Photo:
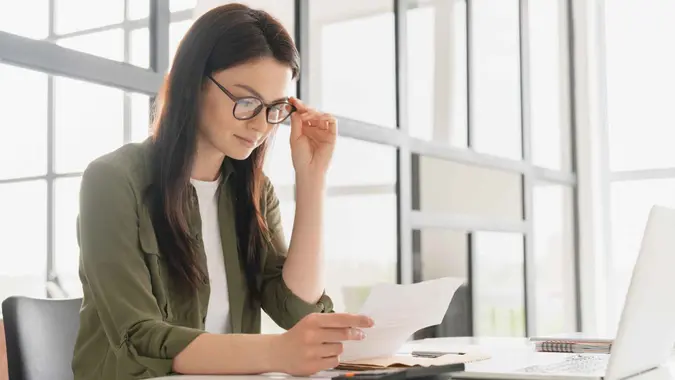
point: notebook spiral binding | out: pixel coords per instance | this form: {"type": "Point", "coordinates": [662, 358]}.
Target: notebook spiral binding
{"type": "Point", "coordinates": [572, 347]}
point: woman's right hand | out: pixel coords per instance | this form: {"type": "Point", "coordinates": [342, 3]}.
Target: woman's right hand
{"type": "Point", "coordinates": [315, 343]}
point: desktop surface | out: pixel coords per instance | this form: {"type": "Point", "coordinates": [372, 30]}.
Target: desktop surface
{"type": "Point", "coordinates": [506, 354]}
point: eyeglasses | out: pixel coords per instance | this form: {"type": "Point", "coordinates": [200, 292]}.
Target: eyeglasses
{"type": "Point", "coordinates": [248, 107]}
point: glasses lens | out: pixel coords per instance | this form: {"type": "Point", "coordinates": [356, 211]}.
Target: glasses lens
{"type": "Point", "coordinates": [247, 108]}
{"type": "Point", "coordinates": [279, 112]}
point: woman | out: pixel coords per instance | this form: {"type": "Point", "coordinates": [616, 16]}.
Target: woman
{"type": "Point", "coordinates": [180, 236]}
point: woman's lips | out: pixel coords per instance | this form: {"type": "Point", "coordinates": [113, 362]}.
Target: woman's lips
{"type": "Point", "coordinates": [249, 143]}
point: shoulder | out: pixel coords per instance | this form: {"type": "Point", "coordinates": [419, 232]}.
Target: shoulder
{"type": "Point", "coordinates": [126, 168]}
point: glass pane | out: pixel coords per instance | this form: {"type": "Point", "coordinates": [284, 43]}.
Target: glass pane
{"type": "Point", "coordinates": [138, 9]}
{"type": "Point", "coordinates": [66, 249]}
{"type": "Point", "coordinates": [23, 231]}
{"type": "Point", "coordinates": [640, 82]}
{"type": "Point", "coordinates": [76, 15]}
{"type": "Point", "coordinates": [349, 166]}
{"type": "Point", "coordinates": [23, 116]}
{"type": "Point", "coordinates": [352, 60]}
{"type": "Point", "coordinates": [499, 303]}
{"type": "Point", "coordinates": [553, 228]}
{"type": "Point", "coordinates": [444, 253]}
{"type": "Point", "coordinates": [495, 78]}
{"type": "Point", "coordinates": [176, 32]}
{"type": "Point", "coordinates": [25, 18]}
{"type": "Point", "coordinates": [181, 5]}
{"type": "Point", "coordinates": [88, 122]}
{"type": "Point", "coordinates": [550, 124]}
{"type": "Point", "coordinates": [631, 202]}
{"type": "Point", "coordinates": [278, 163]}
{"type": "Point", "coordinates": [360, 240]}
{"type": "Point", "coordinates": [140, 117]}
{"type": "Point", "coordinates": [108, 44]}
{"type": "Point", "coordinates": [437, 71]}
{"type": "Point", "coordinates": [451, 187]}
{"type": "Point", "coordinates": [139, 48]}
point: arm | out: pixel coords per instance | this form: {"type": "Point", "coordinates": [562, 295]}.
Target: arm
{"type": "Point", "coordinates": [286, 305]}
{"type": "Point", "coordinates": [303, 271]}
{"type": "Point", "coordinates": [120, 287]}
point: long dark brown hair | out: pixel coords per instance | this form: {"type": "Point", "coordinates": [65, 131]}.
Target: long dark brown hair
{"type": "Point", "coordinates": [223, 37]}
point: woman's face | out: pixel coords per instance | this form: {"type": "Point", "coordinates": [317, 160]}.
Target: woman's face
{"type": "Point", "coordinates": [266, 79]}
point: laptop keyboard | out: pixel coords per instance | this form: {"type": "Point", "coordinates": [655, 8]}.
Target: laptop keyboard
{"type": "Point", "coordinates": [581, 364]}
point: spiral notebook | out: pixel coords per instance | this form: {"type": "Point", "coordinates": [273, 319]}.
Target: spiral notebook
{"type": "Point", "coordinates": [573, 343]}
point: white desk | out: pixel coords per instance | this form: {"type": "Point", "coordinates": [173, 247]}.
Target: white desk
{"type": "Point", "coordinates": [506, 353]}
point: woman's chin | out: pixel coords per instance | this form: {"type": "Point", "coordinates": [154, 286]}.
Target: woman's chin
{"type": "Point", "coordinates": [239, 154]}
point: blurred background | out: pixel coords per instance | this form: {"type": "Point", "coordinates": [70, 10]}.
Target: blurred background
{"type": "Point", "coordinates": [515, 144]}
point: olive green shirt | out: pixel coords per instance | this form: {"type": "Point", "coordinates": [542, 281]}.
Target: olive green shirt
{"type": "Point", "coordinates": [133, 322]}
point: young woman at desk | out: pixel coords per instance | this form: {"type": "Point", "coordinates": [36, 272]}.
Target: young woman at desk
{"type": "Point", "coordinates": [180, 236]}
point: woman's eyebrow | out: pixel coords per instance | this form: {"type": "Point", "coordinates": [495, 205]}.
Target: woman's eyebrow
{"type": "Point", "coordinates": [256, 93]}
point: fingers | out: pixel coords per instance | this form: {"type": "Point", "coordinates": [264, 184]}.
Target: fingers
{"type": "Point", "coordinates": [335, 335]}
{"type": "Point", "coordinates": [298, 104]}
{"type": "Point", "coordinates": [343, 320]}
{"type": "Point", "coordinates": [314, 118]}
{"type": "Point", "coordinates": [328, 350]}
{"type": "Point", "coordinates": [296, 126]}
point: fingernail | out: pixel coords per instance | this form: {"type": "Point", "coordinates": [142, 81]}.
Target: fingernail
{"type": "Point", "coordinates": [360, 335]}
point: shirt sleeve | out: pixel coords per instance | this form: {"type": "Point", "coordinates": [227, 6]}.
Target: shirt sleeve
{"type": "Point", "coordinates": [278, 300]}
{"type": "Point", "coordinates": [118, 279]}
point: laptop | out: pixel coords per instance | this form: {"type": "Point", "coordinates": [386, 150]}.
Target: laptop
{"type": "Point", "coordinates": [646, 333]}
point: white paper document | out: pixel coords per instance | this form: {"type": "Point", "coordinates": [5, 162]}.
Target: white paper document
{"type": "Point", "coordinates": [399, 311]}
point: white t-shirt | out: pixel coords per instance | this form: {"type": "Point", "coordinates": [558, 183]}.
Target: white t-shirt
{"type": "Point", "coordinates": [218, 313]}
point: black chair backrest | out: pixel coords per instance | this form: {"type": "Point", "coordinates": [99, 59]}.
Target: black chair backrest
{"type": "Point", "coordinates": [40, 335]}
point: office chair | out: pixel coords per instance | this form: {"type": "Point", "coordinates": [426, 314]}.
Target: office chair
{"type": "Point", "coordinates": [40, 335]}
{"type": "Point", "coordinates": [457, 319]}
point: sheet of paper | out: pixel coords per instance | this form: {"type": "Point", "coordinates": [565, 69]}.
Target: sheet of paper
{"type": "Point", "coordinates": [399, 311]}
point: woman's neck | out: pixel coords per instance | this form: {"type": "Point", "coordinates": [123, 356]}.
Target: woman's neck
{"type": "Point", "coordinates": [207, 162]}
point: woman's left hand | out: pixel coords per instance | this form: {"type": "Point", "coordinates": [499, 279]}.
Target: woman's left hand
{"type": "Point", "coordinates": [313, 137]}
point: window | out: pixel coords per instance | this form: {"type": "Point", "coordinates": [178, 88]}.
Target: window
{"type": "Point", "coordinates": [23, 115]}
{"type": "Point", "coordinates": [495, 77]}
{"type": "Point", "coordinates": [66, 248]}
{"type": "Point", "coordinates": [469, 190]}
{"type": "Point", "coordinates": [139, 47]}
{"type": "Point", "coordinates": [176, 32]}
{"type": "Point", "coordinates": [181, 5]}
{"type": "Point", "coordinates": [77, 15]}
{"type": "Point", "coordinates": [445, 253]}
{"type": "Point", "coordinates": [360, 240]}
{"type": "Point", "coordinates": [89, 122]}
{"type": "Point", "coordinates": [437, 71]}
{"type": "Point", "coordinates": [278, 163]}
{"type": "Point", "coordinates": [108, 44]}
{"type": "Point", "coordinates": [23, 230]}
{"type": "Point", "coordinates": [631, 202]}
{"type": "Point", "coordinates": [640, 79]}
{"type": "Point", "coordinates": [548, 92]}
{"type": "Point", "coordinates": [499, 305]}
{"type": "Point", "coordinates": [138, 9]}
{"type": "Point", "coordinates": [25, 18]}
{"type": "Point", "coordinates": [352, 60]}
{"type": "Point", "coordinates": [553, 226]}
{"type": "Point", "coordinates": [361, 163]}
{"type": "Point", "coordinates": [140, 116]}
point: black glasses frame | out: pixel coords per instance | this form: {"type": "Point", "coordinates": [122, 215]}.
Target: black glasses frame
{"type": "Point", "coordinates": [267, 106]}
